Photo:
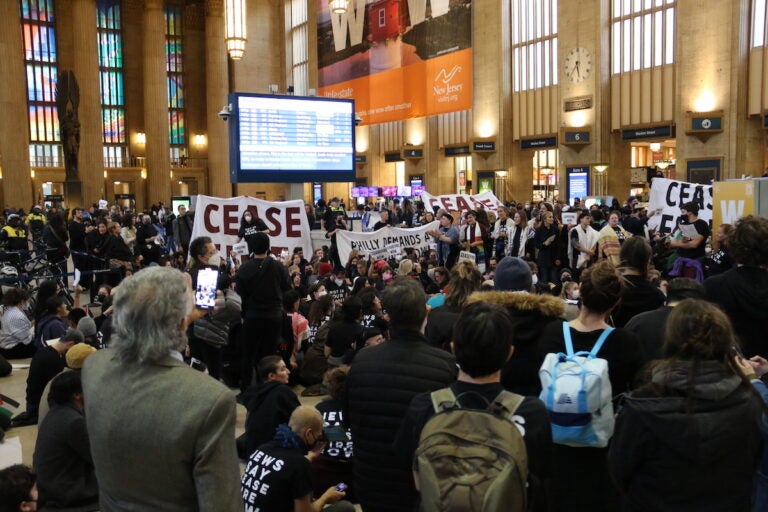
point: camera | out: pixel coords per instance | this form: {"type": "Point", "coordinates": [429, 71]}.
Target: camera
{"type": "Point", "coordinates": [225, 112]}
{"type": "Point", "coordinates": [358, 120]}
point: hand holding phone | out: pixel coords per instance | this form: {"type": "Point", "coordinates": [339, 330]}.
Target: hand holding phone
{"type": "Point", "coordinates": [205, 293]}
{"type": "Point", "coordinates": [341, 487]}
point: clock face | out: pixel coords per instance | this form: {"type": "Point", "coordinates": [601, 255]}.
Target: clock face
{"type": "Point", "coordinates": [578, 64]}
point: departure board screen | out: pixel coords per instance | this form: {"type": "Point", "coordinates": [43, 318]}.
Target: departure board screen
{"type": "Point", "coordinates": [291, 139]}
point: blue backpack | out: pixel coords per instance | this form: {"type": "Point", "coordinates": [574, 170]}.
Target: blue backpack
{"type": "Point", "coordinates": [576, 390]}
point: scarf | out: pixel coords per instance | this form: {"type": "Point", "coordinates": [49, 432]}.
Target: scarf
{"type": "Point", "coordinates": [587, 240]}
{"type": "Point", "coordinates": [609, 244]}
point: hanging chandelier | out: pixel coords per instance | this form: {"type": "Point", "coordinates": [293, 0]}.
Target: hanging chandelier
{"type": "Point", "coordinates": [235, 24]}
{"type": "Point", "coordinates": [338, 6]}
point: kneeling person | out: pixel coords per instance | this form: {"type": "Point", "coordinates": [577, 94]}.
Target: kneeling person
{"type": "Point", "coordinates": [278, 476]}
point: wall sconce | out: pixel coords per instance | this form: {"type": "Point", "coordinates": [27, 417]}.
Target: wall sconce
{"type": "Point", "coordinates": [338, 6]}
{"type": "Point", "coordinates": [501, 174]}
{"type": "Point", "coordinates": [116, 182]}
{"type": "Point", "coordinates": [662, 164]}
{"type": "Point", "coordinates": [143, 174]}
{"type": "Point", "coordinates": [199, 140]}
{"type": "Point", "coordinates": [235, 28]}
{"type": "Point", "coordinates": [655, 146]}
{"type": "Point", "coordinates": [105, 174]}
{"type": "Point", "coordinates": [600, 167]}
{"type": "Point", "coordinates": [141, 138]}
{"type": "Point", "coordinates": [32, 174]}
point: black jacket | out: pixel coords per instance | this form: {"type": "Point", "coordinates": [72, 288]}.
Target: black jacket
{"type": "Point", "coordinates": [268, 404]}
{"type": "Point", "coordinates": [530, 313]}
{"type": "Point", "coordinates": [382, 382]}
{"type": "Point", "coordinates": [742, 293]}
{"type": "Point", "coordinates": [638, 296]}
{"type": "Point", "coordinates": [66, 476]}
{"type": "Point", "coordinates": [261, 289]}
{"type": "Point", "coordinates": [676, 451]}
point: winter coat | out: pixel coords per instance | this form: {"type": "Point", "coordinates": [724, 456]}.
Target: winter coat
{"type": "Point", "coordinates": [381, 383]}
{"type": "Point", "coordinates": [530, 314]}
{"type": "Point", "coordinates": [742, 293]}
{"type": "Point", "coordinates": [681, 445]}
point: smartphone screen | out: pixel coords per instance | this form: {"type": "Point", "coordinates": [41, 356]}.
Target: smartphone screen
{"type": "Point", "coordinates": [335, 433]}
{"type": "Point", "coordinates": [341, 487]}
{"type": "Point", "coordinates": [205, 294]}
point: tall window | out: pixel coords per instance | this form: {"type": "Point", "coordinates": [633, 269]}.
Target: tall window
{"type": "Point", "coordinates": [299, 29]}
{"type": "Point", "coordinates": [175, 71]}
{"type": "Point", "coordinates": [534, 44]}
{"type": "Point", "coordinates": [39, 40]}
{"type": "Point", "coordinates": [759, 29]}
{"type": "Point", "coordinates": [643, 34]}
{"type": "Point", "coordinates": [110, 49]}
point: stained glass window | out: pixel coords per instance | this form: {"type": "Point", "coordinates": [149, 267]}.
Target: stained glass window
{"type": "Point", "coordinates": [175, 83]}
{"type": "Point", "coordinates": [110, 49]}
{"type": "Point", "coordinates": [39, 40]}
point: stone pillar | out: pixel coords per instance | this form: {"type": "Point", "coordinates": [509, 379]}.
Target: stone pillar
{"type": "Point", "coordinates": [86, 68]}
{"type": "Point", "coordinates": [156, 104]}
{"type": "Point", "coordinates": [217, 88]}
{"type": "Point", "coordinates": [14, 131]}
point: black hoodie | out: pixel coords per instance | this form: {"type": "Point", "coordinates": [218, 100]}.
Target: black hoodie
{"type": "Point", "coordinates": [742, 293]}
{"type": "Point", "coordinates": [681, 445]}
{"type": "Point", "coordinates": [269, 404]}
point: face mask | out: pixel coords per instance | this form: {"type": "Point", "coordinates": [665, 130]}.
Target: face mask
{"type": "Point", "coordinates": [534, 279]}
{"type": "Point", "coordinates": [322, 293]}
{"type": "Point", "coordinates": [339, 282]}
{"type": "Point", "coordinates": [215, 260]}
{"type": "Point", "coordinates": [708, 250]}
{"type": "Point", "coordinates": [575, 294]}
{"type": "Point", "coordinates": [387, 276]}
{"type": "Point", "coordinates": [248, 218]}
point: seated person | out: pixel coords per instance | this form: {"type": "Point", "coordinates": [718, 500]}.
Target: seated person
{"type": "Point", "coordinates": [334, 463]}
{"type": "Point", "coordinates": [46, 363]}
{"type": "Point", "coordinates": [269, 403]}
{"type": "Point", "coordinates": [482, 343]}
{"type": "Point", "coordinates": [278, 476]}
{"type": "Point", "coordinates": [17, 331]}
{"type": "Point", "coordinates": [62, 458]}
{"type": "Point", "coordinates": [53, 323]}
{"type": "Point", "coordinates": [18, 489]}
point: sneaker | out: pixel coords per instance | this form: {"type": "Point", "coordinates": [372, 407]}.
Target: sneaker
{"type": "Point", "coordinates": [24, 419]}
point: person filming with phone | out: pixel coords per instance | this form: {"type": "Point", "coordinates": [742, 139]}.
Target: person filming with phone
{"type": "Point", "coordinates": [278, 476]}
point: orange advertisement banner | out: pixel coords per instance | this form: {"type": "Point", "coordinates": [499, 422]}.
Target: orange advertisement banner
{"type": "Point", "coordinates": [398, 59]}
{"type": "Point", "coordinates": [436, 86]}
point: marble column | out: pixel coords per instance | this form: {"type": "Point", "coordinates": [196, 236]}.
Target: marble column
{"type": "Point", "coordinates": [156, 104]}
{"type": "Point", "coordinates": [14, 131]}
{"type": "Point", "coordinates": [217, 88]}
{"type": "Point", "coordinates": [86, 68]}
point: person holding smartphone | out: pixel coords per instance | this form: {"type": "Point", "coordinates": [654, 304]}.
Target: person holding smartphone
{"type": "Point", "coordinates": [204, 269]}
{"type": "Point", "coordinates": [278, 475]}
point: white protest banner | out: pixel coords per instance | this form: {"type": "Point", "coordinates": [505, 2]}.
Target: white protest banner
{"type": "Point", "coordinates": [461, 202]}
{"type": "Point", "coordinates": [219, 219]}
{"type": "Point", "coordinates": [385, 241]}
{"type": "Point", "coordinates": [667, 196]}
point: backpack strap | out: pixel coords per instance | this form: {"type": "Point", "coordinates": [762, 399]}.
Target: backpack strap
{"type": "Point", "coordinates": [506, 404]}
{"type": "Point", "coordinates": [443, 399]}
{"type": "Point", "coordinates": [600, 341]}
{"type": "Point", "coordinates": [567, 339]}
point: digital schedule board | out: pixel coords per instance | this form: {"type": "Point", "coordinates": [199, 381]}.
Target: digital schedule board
{"type": "Point", "coordinates": [291, 139]}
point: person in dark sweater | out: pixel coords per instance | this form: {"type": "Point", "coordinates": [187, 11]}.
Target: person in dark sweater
{"type": "Point", "coordinates": [344, 333]}
{"type": "Point", "coordinates": [580, 474]}
{"type": "Point", "coordinates": [382, 382]}
{"type": "Point", "coordinates": [260, 282]}
{"type": "Point", "coordinates": [46, 364]}
{"type": "Point", "coordinates": [268, 403]}
{"type": "Point", "coordinates": [66, 477]}
{"type": "Point", "coordinates": [742, 292]}
{"type": "Point", "coordinates": [638, 294]}
{"type": "Point", "coordinates": [650, 326]}
{"type": "Point", "coordinates": [482, 342]}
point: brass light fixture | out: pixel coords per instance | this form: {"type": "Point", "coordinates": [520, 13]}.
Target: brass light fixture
{"type": "Point", "coordinates": [235, 28]}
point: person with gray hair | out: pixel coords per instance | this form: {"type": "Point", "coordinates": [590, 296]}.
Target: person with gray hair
{"type": "Point", "coordinates": [161, 433]}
